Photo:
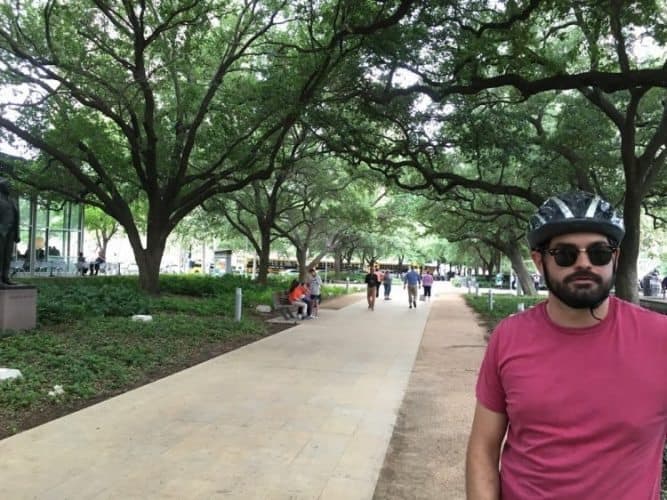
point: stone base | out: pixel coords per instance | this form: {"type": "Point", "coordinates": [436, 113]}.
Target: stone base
{"type": "Point", "coordinates": [18, 308]}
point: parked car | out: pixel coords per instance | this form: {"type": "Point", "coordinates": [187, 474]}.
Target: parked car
{"type": "Point", "coordinates": [170, 269]}
{"type": "Point", "coordinates": [194, 267]}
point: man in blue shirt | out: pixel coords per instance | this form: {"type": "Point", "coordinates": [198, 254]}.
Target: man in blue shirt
{"type": "Point", "coordinates": [413, 281]}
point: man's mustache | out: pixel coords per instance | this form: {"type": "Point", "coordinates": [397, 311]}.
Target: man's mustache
{"type": "Point", "coordinates": [583, 275]}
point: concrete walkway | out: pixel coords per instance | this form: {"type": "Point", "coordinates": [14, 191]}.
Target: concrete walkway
{"type": "Point", "coordinates": [307, 413]}
{"type": "Point", "coordinates": [426, 455]}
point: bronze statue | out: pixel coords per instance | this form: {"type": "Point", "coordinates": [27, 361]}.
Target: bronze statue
{"type": "Point", "coordinates": [9, 231]}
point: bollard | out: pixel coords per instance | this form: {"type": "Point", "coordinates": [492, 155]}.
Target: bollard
{"type": "Point", "coordinates": [476, 289]}
{"type": "Point", "coordinates": [347, 285]}
{"type": "Point", "coordinates": [490, 299]}
{"type": "Point", "coordinates": [238, 304]}
{"type": "Point", "coordinates": [520, 307]}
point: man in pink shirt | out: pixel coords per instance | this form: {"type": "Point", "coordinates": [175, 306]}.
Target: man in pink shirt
{"type": "Point", "coordinates": [576, 387]}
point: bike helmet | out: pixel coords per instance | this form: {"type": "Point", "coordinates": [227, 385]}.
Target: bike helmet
{"type": "Point", "coordinates": [574, 212]}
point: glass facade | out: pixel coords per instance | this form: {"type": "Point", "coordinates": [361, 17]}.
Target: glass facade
{"type": "Point", "coordinates": [51, 237]}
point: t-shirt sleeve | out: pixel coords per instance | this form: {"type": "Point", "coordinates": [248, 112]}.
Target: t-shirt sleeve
{"type": "Point", "coordinates": [490, 392]}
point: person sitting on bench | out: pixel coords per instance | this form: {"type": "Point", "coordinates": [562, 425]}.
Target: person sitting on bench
{"type": "Point", "coordinates": [296, 295]}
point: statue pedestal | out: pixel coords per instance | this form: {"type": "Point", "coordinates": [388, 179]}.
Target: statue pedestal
{"type": "Point", "coordinates": [18, 308]}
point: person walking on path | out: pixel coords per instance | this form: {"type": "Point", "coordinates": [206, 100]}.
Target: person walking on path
{"type": "Point", "coordinates": [576, 386]}
{"type": "Point", "coordinates": [372, 284]}
{"type": "Point", "coordinates": [386, 283]}
{"type": "Point", "coordinates": [315, 292]}
{"type": "Point", "coordinates": [380, 276]}
{"type": "Point", "coordinates": [412, 280]}
{"type": "Point", "coordinates": [427, 283]}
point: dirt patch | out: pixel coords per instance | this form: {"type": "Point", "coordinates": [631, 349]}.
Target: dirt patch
{"type": "Point", "coordinates": [426, 454]}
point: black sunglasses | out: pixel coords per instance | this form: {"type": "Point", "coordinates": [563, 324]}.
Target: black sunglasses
{"type": "Point", "coordinates": [565, 255]}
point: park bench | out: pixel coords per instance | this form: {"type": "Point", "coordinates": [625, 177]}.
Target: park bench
{"type": "Point", "coordinates": [282, 305]}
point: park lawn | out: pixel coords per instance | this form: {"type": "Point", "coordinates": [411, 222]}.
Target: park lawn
{"type": "Point", "coordinates": [87, 343]}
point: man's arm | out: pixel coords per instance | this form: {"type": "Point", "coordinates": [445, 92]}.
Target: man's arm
{"type": "Point", "coordinates": [486, 437]}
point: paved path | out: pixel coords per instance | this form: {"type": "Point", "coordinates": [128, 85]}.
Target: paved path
{"type": "Point", "coordinates": [426, 455]}
{"type": "Point", "coordinates": [304, 414]}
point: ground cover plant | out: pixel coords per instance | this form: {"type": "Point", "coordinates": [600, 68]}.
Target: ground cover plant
{"type": "Point", "coordinates": [87, 343]}
{"type": "Point", "coordinates": [503, 305]}
{"type": "Point", "coordinates": [506, 304]}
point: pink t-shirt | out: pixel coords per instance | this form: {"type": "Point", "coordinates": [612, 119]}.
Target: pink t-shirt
{"type": "Point", "coordinates": [587, 408]}
{"type": "Point", "coordinates": [427, 280]}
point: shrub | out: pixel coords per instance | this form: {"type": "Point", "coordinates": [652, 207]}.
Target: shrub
{"type": "Point", "coordinates": [503, 305]}
{"type": "Point", "coordinates": [63, 300]}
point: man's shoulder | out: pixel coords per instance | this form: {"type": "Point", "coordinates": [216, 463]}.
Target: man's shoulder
{"type": "Point", "coordinates": [627, 309]}
{"type": "Point", "coordinates": [522, 322]}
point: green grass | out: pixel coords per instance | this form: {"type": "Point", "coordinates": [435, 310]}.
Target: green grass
{"type": "Point", "coordinates": [503, 306]}
{"type": "Point", "coordinates": [506, 304]}
{"type": "Point", "coordinates": [86, 342]}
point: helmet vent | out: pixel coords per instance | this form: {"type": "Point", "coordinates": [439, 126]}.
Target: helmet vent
{"type": "Point", "coordinates": [592, 208]}
{"type": "Point", "coordinates": [565, 210]}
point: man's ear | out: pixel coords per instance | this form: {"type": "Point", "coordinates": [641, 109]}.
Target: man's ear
{"type": "Point", "coordinates": [616, 256]}
{"type": "Point", "coordinates": [538, 260]}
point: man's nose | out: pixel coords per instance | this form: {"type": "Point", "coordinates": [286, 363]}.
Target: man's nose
{"type": "Point", "coordinates": [583, 254]}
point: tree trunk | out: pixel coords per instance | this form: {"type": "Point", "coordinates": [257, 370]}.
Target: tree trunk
{"type": "Point", "coordinates": [263, 265]}
{"type": "Point", "coordinates": [264, 253]}
{"type": "Point", "coordinates": [148, 261]}
{"type": "Point", "coordinates": [149, 258]}
{"type": "Point", "coordinates": [348, 257]}
{"type": "Point", "coordinates": [523, 276]}
{"type": "Point", "coordinates": [301, 254]}
{"type": "Point", "coordinates": [626, 275]}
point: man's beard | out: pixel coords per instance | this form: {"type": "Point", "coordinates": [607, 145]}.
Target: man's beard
{"type": "Point", "coordinates": [580, 297]}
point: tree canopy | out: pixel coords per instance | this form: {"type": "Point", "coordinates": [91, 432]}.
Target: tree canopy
{"type": "Point", "coordinates": [448, 70]}
{"type": "Point", "coordinates": [147, 110]}
{"type": "Point", "coordinates": [168, 103]}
